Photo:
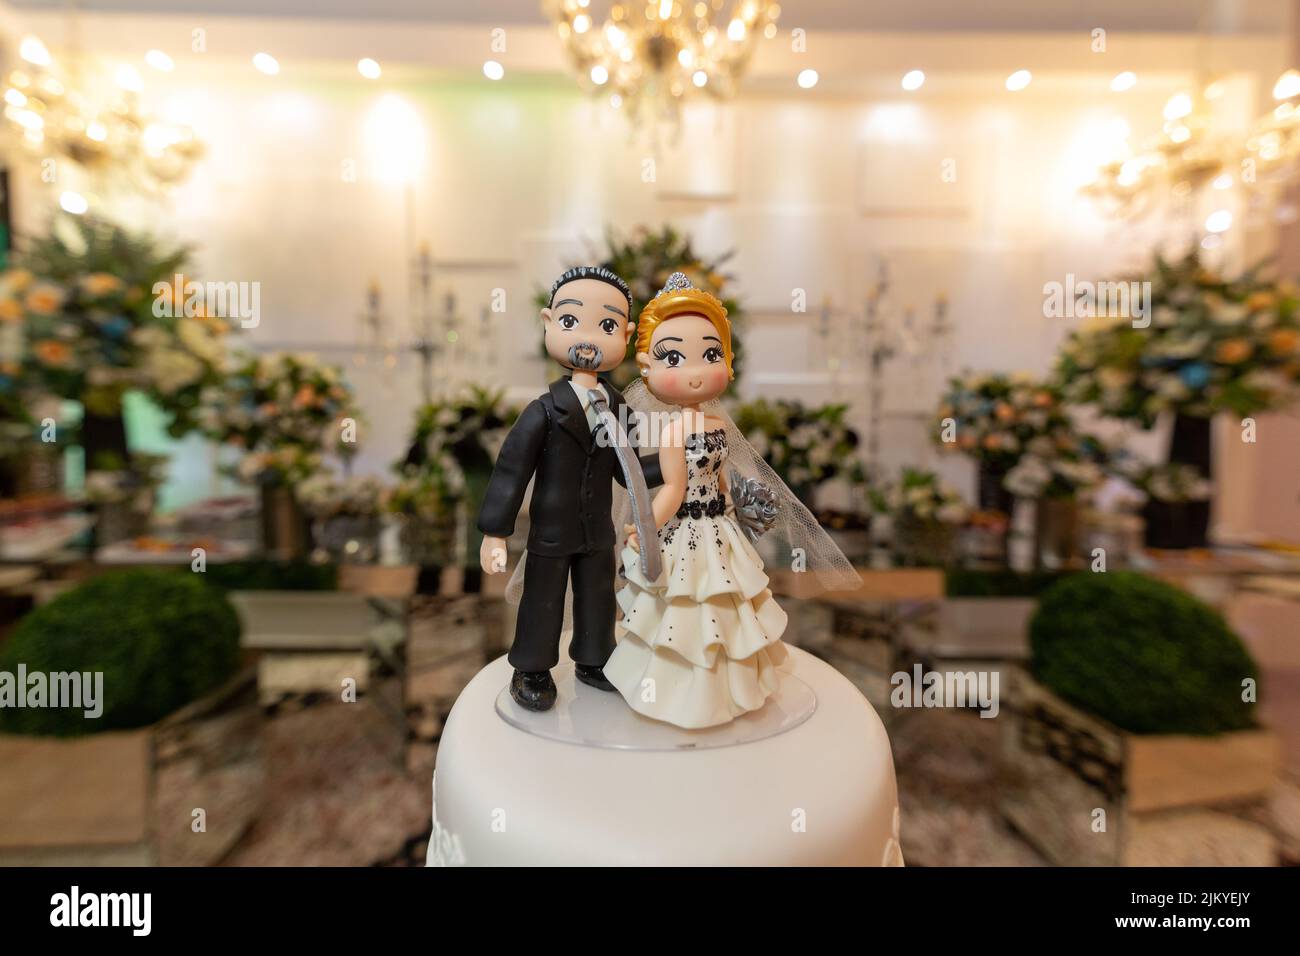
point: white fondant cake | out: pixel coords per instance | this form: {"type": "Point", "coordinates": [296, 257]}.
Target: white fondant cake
{"type": "Point", "coordinates": [800, 790]}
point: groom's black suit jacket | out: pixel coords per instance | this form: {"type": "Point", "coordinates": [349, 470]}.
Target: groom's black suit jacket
{"type": "Point", "coordinates": [572, 494]}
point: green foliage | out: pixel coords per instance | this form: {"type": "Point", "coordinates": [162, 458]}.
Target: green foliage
{"type": "Point", "coordinates": [645, 259]}
{"type": "Point", "coordinates": [273, 576]}
{"type": "Point", "coordinates": [1004, 583]}
{"type": "Point", "coordinates": [161, 638]}
{"type": "Point", "coordinates": [1141, 654]}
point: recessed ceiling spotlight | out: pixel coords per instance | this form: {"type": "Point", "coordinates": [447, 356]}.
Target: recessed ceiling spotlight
{"type": "Point", "coordinates": [368, 68]}
{"type": "Point", "coordinates": [807, 79]}
{"type": "Point", "coordinates": [266, 63]}
{"type": "Point", "coordinates": [160, 61]}
{"type": "Point", "coordinates": [1123, 81]}
{"type": "Point", "coordinates": [913, 80]}
{"type": "Point", "coordinates": [1018, 80]}
{"type": "Point", "coordinates": [493, 70]}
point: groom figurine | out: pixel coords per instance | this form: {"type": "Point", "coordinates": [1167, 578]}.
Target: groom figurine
{"type": "Point", "coordinates": [560, 444]}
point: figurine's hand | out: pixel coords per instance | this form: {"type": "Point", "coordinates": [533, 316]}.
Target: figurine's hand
{"type": "Point", "coordinates": [633, 539]}
{"type": "Point", "coordinates": [492, 554]}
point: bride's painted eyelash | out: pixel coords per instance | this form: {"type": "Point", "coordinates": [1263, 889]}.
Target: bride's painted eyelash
{"type": "Point", "coordinates": [662, 351]}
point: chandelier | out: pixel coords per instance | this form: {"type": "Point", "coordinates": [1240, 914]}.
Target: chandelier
{"type": "Point", "coordinates": [53, 116]}
{"type": "Point", "coordinates": [1186, 156]}
{"type": "Point", "coordinates": [647, 56]}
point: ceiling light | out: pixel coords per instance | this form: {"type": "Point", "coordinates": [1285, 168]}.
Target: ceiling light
{"type": "Point", "coordinates": [913, 80]}
{"type": "Point", "coordinates": [266, 63]}
{"type": "Point", "coordinates": [1123, 81]}
{"type": "Point", "coordinates": [808, 79]}
{"type": "Point", "coordinates": [1019, 80]}
{"type": "Point", "coordinates": [493, 70]}
{"type": "Point", "coordinates": [160, 61]}
{"type": "Point", "coordinates": [368, 68]}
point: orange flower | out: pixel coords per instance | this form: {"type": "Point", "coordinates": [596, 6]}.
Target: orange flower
{"type": "Point", "coordinates": [1232, 351]}
{"type": "Point", "coordinates": [1260, 300]}
{"type": "Point", "coordinates": [44, 298]}
{"type": "Point", "coordinates": [1043, 399]}
{"type": "Point", "coordinates": [305, 397]}
{"type": "Point", "coordinates": [99, 284]}
{"type": "Point", "coordinates": [52, 352]}
{"type": "Point", "coordinates": [1004, 412]}
{"type": "Point", "coordinates": [10, 310]}
{"type": "Point", "coordinates": [1284, 341]}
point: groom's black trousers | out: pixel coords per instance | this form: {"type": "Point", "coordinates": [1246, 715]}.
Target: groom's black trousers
{"type": "Point", "coordinates": [541, 610]}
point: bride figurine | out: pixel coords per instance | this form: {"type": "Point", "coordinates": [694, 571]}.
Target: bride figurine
{"type": "Point", "coordinates": [700, 645]}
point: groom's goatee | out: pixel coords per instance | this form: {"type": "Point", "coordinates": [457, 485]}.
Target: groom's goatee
{"type": "Point", "coordinates": [585, 356]}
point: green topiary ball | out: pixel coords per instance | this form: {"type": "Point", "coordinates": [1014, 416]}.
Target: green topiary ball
{"type": "Point", "coordinates": [1142, 654]}
{"type": "Point", "coordinates": [162, 638]}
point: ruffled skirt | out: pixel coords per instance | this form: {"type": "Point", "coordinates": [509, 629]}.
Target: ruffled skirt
{"type": "Point", "coordinates": [701, 645]}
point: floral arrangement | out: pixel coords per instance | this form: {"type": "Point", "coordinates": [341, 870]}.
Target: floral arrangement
{"type": "Point", "coordinates": [285, 410]}
{"type": "Point", "coordinates": [1214, 344]}
{"type": "Point", "coordinates": [1060, 466]}
{"type": "Point", "coordinates": [1172, 482]}
{"type": "Point", "coordinates": [645, 259]}
{"type": "Point", "coordinates": [462, 433]}
{"type": "Point", "coordinates": [323, 495]}
{"type": "Point", "coordinates": [135, 488]}
{"type": "Point", "coordinates": [84, 299]}
{"type": "Point", "coordinates": [805, 446]}
{"type": "Point", "coordinates": [428, 494]}
{"type": "Point", "coordinates": [993, 417]}
{"type": "Point", "coordinates": [1018, 426]}
{"type": "Point", "coordinates": [920, 496]}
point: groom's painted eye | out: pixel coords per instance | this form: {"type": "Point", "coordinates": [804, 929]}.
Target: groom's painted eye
{"type": "Point", "coordinates": [569, 322]}
{"type": "Point", "coordinates": [609, 326]}
{"type": "Point", "coordinates": [713, 355]}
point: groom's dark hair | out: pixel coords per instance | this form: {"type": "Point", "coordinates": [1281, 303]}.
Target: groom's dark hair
{"type": "Point", "coordinates": [599, 273]}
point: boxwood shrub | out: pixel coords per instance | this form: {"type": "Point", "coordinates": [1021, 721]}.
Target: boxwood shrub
{"type": "Point", "coordinates": [1141, 654]}
{"type": "Point", "coordinates": [161, 637]}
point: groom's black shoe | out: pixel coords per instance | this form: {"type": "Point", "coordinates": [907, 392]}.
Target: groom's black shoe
{"type": "Point", "coordinates": [593, 676]}
{"type": "Point", "coordinates": [533, 690]}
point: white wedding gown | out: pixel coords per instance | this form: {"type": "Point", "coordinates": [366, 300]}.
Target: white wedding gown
{"type": "Point", "coordinates": [701, 645]}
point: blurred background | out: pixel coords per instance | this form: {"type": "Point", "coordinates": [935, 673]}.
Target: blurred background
{"type": "Point", "coordinates": [1013, 292]}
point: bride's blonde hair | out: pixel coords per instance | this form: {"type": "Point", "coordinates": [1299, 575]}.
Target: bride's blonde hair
{"type": "Point", "coordinates": [679, 298]}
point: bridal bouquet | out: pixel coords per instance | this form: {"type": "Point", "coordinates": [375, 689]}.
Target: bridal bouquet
{"type": "Point", "coordinates": [1213, 344]}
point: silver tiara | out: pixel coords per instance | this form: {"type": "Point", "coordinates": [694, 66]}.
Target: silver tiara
{"type": "Point", "coordinates": [676, 283]}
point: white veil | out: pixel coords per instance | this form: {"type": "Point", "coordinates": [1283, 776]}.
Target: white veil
{"type": "Point", "coordinates": [795, 536]}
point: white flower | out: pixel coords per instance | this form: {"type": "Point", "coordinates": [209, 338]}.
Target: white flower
{"type": "Point", "coordinates": [195, 336]}
{"type": "Point", "coordinates": [953, 512]}
{"type": "Point", "coordinates": [1228, 313]}
{"type": "Point", "coordinates": [171, 370]}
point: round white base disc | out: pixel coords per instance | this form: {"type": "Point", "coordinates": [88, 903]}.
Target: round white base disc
{"type": "Point", "coordinates": [587, 716]}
